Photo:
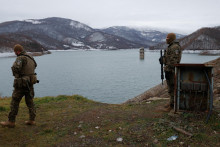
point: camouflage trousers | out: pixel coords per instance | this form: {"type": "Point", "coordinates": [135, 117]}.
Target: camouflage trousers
{"type": "Point", "coordinates": [17, 95]}
{"type": "Point", "coordinates": [169, 75]}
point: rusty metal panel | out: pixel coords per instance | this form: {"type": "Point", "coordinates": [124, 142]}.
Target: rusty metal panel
{"type": "Point", "coordinates": [191, 87]}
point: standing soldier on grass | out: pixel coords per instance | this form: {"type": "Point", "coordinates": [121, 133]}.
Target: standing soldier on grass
{"type": "Point", "coordinates": [172, 55]}
{"type": "Point", "coordinates": [23, 70]}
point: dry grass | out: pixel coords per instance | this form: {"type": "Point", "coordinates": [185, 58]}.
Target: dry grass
{"type": "Point", "coordinates": [77, 121]}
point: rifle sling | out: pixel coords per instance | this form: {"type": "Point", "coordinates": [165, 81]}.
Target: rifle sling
{"type": "Point", "coordinates": [31, 59]}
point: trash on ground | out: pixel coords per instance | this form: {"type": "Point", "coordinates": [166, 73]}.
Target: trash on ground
{"type": "Point", "coordinates": [174, 137]}
{"type": "Point", "coordinates": [119, 139]}
{"type": "Point", "coordinates": [82, 136]}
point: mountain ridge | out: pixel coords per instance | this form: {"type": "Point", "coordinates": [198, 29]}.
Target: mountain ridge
{"type": "Point", "coordinates": [203, 39]}
{"type": "Point", "coordinates": [147, 37]}
{"type": "Point", "coordinates": [61, 33]}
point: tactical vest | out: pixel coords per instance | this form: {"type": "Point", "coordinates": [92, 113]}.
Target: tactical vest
{"type": "Point", "coordinates": [29, 68]}
{"type": "Point", "coordinates": [26, 76]}
{"type": "Point", "coordinates": [173, 51]}
{"type": "Point", "coordinates": [172, 56]}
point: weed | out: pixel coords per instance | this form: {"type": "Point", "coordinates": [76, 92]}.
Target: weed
{"type": "Point", "coordinates": [62, 133]}
{"type": "Point", "coordinates": [200, 136]}
{"type": "Point", "coordinates": [47, 131]}
{"type": "Point", "coordinates": [2, 108]}
{"type": "Point", "coordinates": [214, 122]}
{"type": "Point", "coordinates": [111, 136]}
{"type": "Point", "coordinates": [188, 115]}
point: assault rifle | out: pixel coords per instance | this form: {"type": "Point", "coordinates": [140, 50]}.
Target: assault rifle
{"type": "Point", "coordinates": [161, 63]}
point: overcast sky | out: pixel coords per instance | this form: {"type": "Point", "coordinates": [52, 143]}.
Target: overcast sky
{"type": "Point", "coordinates": [181, 16]}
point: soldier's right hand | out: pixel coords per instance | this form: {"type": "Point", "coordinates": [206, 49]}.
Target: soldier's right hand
{"type": "Point", "coordinates": [161, 60]}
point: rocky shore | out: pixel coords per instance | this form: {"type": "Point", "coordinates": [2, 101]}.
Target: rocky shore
{"type": "Point", "coordinates": [161, 90]}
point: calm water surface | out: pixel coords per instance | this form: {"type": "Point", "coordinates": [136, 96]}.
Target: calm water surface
{"type": "Point", "coordinates": [104, 76]}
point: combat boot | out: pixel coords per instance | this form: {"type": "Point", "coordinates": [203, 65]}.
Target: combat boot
{"type": "Point", "coordinates": [7, 124]}
{"type": "Point", "coordinates": [30, 122]}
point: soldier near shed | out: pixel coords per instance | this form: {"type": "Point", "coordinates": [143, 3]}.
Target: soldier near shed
{"type": "Point", "coordinates": [172, 55]}
{"type": "Point", "coordinates": [24, 74]}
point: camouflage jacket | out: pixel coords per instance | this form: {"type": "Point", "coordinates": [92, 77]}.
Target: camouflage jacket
{"type": "Point", "coordinates": [24, 65]}
{"type": "Point", "coordinates": [172, 55]}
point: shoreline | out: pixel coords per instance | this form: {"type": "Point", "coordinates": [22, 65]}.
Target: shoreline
{"type": "Point", "coordinates": [200, 52]}
{"type": "Point", "coordinates": [12, 54]}
{"type": "Point", "coordinates": [156, 91]}
{"type": "Point", "coordinates": [160, 91]}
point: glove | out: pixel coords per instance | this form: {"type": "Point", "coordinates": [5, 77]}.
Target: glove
{"type": "Point", "coordinates": [161, 60]}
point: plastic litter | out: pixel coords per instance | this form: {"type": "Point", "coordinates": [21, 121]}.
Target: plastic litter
{"type": "Point", "coordinates": [174, 137]}
{"type": "Point", "coordinates": [119, 139]}
{"type": "Point", "coordinates": [82, 136]}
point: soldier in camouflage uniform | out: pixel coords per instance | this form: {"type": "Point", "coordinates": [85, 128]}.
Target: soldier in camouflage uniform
{"type": "Point", "coordinates": [24, 72]}
{"type": "Point", "coordinates": [172, 55]}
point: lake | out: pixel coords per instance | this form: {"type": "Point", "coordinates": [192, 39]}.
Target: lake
{"type": "Point", "coordinates": [112, 76]}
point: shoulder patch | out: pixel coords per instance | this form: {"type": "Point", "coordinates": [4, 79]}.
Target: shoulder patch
{"type": "Point", "coordinates": [177, 52]}
{"type": "Point", "coordinates": [18, 62]}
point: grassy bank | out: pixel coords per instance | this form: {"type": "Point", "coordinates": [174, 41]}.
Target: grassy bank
{"type": "Point", "coordinates": [77, 121]}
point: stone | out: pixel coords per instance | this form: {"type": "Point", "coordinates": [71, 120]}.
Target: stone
{"type": "Point", "coordinates": [155, 141]}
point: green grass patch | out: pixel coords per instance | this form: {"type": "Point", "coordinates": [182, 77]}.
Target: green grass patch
{"type": "Point", "coordinates": [2, 108]}
{"type": "Point", "coordinates": [200, 136]}
{"type": "Point", "coordinates": [80, 98]}
{"type": "Point", "coordinates": [214, 122]}
{"type": "Point", "coordinates": [187, 115]}
{"type": "Point", "coordinates": [50, 99]}
{"type": "Point", "coordinates": [62, 133]}
{"type": "Point", "coordinates": [46, 131]}
{"type": "Point", "coordinates": [61, 98]}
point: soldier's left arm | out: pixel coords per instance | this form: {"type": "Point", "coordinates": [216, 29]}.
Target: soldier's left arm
{"type": "Point", "coordinates": [18, 64]}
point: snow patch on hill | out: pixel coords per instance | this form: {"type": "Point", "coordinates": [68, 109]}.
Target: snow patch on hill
{"type": "Point", "coordinates": [74, 24]}
{"type": "Point", "coordinates": [7, 54]}
{"type": "Point", "coordinates": [97, 37]}
{"type": "Point", "coordinates": [77, 44]}
{"type": "Point", "coordinates": [73, 42]}
{"type": "Point", "coordinates": [33, 21]}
